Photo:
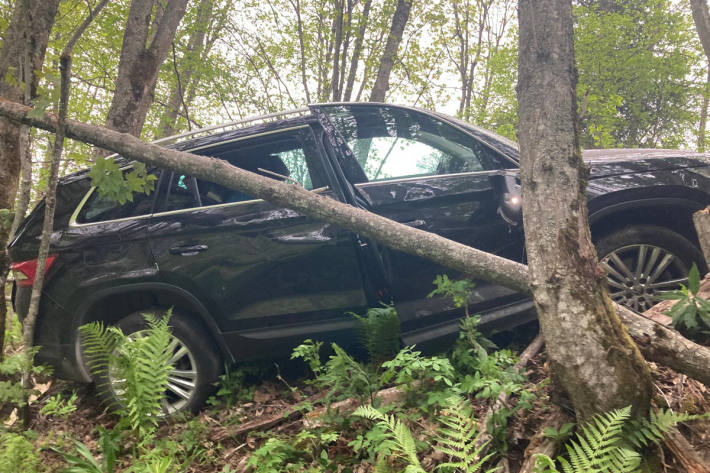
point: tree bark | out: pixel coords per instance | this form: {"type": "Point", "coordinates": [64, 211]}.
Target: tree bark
{"type": "Point", "coordinates": [357, 50]}
{"type": "Point", "coordinates": [661, 344]}
{"type": "Point", "coordinates": [701, 221]}
{"type": "Point", "coordinates": [541, 444]}
{"type": "Point", "coordinates": [187, 77]}
{"type": "Point", "coordinates": [139, 65]}
{"type": "Point", "coordinates": [23, 49]}
{"type": "Point", "coordinates": [382, 80]}
{"type": "Point", "coordinates": [591, 354]}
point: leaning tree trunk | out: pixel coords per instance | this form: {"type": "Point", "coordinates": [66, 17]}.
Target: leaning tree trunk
{"type": "Point", "coordinates": [591, 354]}
{"type": "Point", "coordinates": [668, 345]}
{"type": "Point", "coordinates": [399, 21]}
{"type": "Point", "coordinates": [25, 41]}
{"type": "Point", "coordinates": [143, 52]}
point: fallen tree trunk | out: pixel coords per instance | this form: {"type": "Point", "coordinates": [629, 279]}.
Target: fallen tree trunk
{"type": "Point", "coordinates": [665, 346]}
{"type": "Point", "coordinates": [657, 343]}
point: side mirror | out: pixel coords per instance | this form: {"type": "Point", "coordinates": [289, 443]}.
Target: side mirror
{"type": "Point", "coordinates": [510, 205]}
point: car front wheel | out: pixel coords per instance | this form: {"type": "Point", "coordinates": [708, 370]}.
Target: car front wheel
{"type": "Point", "coordinates": [643, 260]}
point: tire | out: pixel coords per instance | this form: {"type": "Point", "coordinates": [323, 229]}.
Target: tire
{"type": "Point", "coordinates": [642, 260]}
{"type": "Point", "coordinates": [197, 360]}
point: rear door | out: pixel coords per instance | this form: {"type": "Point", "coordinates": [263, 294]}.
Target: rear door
{"type": "Point", "coordinates": [428, 174]}
{"type": "Point", "coordinates": [268, 274]}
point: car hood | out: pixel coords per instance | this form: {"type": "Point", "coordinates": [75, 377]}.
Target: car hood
{"type": "Point", "coordinates": [611, 162]}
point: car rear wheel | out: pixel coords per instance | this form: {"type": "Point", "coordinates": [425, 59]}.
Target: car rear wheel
{"type": "Point", "coordinates": [197, 365]}
{"type": "Point", "coordinates": [643, 260]}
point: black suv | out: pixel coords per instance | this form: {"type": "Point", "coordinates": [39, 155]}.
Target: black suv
{"type": "Point", "coordinates": [249, 279]}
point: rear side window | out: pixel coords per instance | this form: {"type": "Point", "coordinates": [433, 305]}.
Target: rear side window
{"type": "Point", "coordinates": [290, 157]}
{"type": "Point", "coordinates": [100, 209]}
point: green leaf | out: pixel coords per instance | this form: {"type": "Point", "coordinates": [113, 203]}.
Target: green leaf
{"type": "Point", "coordinates": [694, 279]}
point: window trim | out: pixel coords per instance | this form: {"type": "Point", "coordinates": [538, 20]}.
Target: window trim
{"type": "Point", "coordinates": [73, 219]}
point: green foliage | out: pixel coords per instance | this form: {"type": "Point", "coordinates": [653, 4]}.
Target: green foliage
{"type": "Point", "coordinates": [458, 436]}
{"type": "Point", "coordinates": [57, 406]}
{"type": "Point", "coordinates": [379, 332]}
{"type": "Point", "coordinates": [561, 434]}
{"type": "Point", "coordinates": [608, 443]}
{"type": "Point", "coordinates": [640, 73]}
{"type": "Point", "coordinates": [115, 184]}
{"type": "Point", "coordinates": [409, 366]}
{"type": "Point", "coordinates": [345, 377]}
{"type": "Point", "coordinates": [402, 442]}
{"type": "Point", "coordinates": [233, 386]}
{"type": "Point", "coordinates": [691, 311]}
{"type": "Point", "coordinates": [138, 365]}
{"type": "Point", "coordinates": [17, 454]}
{"type": "Point", "coordinates": [278, 455]}
{"type": "Point", "coordinates": [471, 345]}
{"type": "Point", "coordinates": [309, 351]}
{"type": "Point", "coordinates": [11, 367]}
{"type": "Point", "coordinates": [459, 291]}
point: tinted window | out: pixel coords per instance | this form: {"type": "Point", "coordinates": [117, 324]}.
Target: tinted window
{"type": "Point", "coordinates": [390, 143]}
{"type": "Point", "coordinates": [288, 157]}
{"type": "Point", "coordinates": [98, 208]}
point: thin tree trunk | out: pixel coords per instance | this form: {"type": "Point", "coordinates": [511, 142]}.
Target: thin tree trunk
{"type": "Point", "coordinates": [304, 80]}
{"type": "Point", "coordinates": [338, 30]}
{"type": "Point", "coordinates": [702, 124]}
{"type": "Point", "coordinates": [382, 80]}
{"type": "Point", "coordinates": [357, 50]}
{"type": "Point", "coordinates": [50, 204]}
{"type": "Point", "coordinates": [184, 75]}
{"type": "Point", "coordinates": [23, 49]}
{"type": "Point", "coordinates": [591, 354]}
{"type": "Point", "coordinates": [139, 64]}
{"type": "Point", "coordinates": [661, 344]}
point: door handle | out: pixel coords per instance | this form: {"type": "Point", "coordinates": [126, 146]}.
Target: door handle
{"type": "Point", "coordinates": [187, 250]}
{"type": "Point", "coordinates": [418, 223]}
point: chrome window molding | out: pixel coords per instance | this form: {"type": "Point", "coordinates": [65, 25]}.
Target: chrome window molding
{"type": "Point", "coordinates": [431, 176]}
{"type": "Point", "coordinates": [73, 223]}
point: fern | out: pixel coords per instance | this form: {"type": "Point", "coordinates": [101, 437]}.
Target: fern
{"type": "Point", "coordinates": [137, 366]}
{"type": "Point", "coordinates": [608, 443]}
{"type": "Point", "coordinates": [99, 344]}
{"type": "Point", "coordinates": [144, 364]}
{"type": "Point", "coordinates": [379, 332]}
{"type": "Point", "coordinates": [458, 436]}
{"type": "Point", "coordinates": [403, 442]}
{"type": "Point", "coordinates": [640, 432]}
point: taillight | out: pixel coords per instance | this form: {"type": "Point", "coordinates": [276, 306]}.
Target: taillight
{"type": "Point", "coordinates": [25, 271]}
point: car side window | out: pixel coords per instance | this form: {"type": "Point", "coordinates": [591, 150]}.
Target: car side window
{"type": "Point", "coordinates": [100, 209]}
{"type": "Point", "coordinates": [392, 143]}
{"type": "Point", "coordinates": [290, 157]}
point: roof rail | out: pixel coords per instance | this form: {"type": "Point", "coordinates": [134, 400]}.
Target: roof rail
{"type": "Point", "coordinates": [298, 112]}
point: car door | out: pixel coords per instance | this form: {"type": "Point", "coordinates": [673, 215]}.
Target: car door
{"type": "Point", "coordinates": [428, 174]}
{"type": "Point", "coordinates": [267, 273]}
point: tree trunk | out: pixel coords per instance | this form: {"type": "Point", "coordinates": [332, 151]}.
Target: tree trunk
{"type": "Point", "coordinates": [662, 344]}
{"type": "Point", "coordinates": [701, 221]}
{"type": "Point", "coordinates": [50, 203]}
{"type": "Point", "coordinates": [23, 49]}
{"type": "Point", "coordinates": [399, 21]}
{"type": "Point", "coordinates": [357, 50]}
{"type": "Point", "coordinates": [139, 64]}
{"type": "Point", "coordinates": [187, 77]}
{"type": "Point", "coordinates": [591, 354]}
{"type": "Point", "coordinates": [701, 18]}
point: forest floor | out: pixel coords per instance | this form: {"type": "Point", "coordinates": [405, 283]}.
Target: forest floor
{"type": "Point", "coordinates": [211, 441]}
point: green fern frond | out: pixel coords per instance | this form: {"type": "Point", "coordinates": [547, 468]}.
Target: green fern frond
{"type": "Point", "coordinates": [99, 343]}
{"type": "Point", "coordinates": [642, 431]}
{"type": "Point", "coordinates": [458, 438]}
{"type": "Point", "coordinates": [400, 434]}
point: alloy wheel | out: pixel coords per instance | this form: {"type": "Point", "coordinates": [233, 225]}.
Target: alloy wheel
{"type": "Point", "coordinates": [636, 273]}
{"type": "Point", "coordinates": [182, 379]}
